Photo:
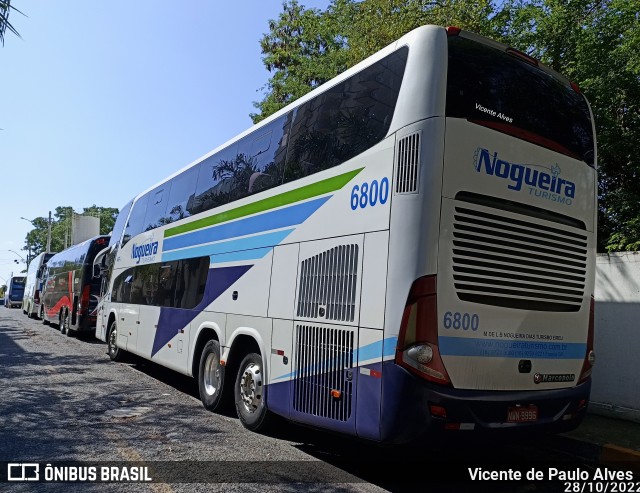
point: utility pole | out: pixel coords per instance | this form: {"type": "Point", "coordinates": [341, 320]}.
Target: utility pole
{"type": "Point", "coordinates": [49, 235]}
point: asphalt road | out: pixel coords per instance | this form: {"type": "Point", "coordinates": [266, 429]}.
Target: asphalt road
{"type": "Point", "coordinates": [62, 399]}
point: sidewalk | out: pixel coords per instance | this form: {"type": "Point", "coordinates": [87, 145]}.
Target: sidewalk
{"type": "Point", "coordinates": [618, 440]}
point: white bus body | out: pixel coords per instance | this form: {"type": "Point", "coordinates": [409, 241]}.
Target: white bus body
{"type": "Point", "coordinates": [31, 305]}
{"type": "Point", "coordinates": [439, 278]}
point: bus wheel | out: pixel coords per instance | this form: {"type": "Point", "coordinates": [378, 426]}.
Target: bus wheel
{"type": "Point", "coordinates": [65, 328]}
{"type": "Point", "coordinates": [114, 352]}
{"type": "Point", "coordinates": [61, 322]}
{"type": "Point", "coordinates": [211, 376]}
{"type": "Point", "coordinates": [249, 394]}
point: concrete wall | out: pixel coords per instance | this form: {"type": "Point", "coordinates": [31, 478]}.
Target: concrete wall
{"type": "Point", "coordinates": [616, 376]}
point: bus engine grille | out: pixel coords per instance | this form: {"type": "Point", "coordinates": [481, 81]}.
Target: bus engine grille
{"type": "Point", "coordinates": [323, 369]}
{"type": "Point", "coordinates": [512, 261]}
{"type": "Point", "coordinates": [328, 284]}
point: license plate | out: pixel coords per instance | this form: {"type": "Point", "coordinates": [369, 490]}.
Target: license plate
{"type": "Point", "coordinates": [522, 414]}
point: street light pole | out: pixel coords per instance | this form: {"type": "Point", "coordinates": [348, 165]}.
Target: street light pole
{"type": "Point", "coordinates": [21, 257]}
{"type": "Point", "coordinates": [48, 233]}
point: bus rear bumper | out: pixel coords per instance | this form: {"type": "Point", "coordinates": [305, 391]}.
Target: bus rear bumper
{"type": "Point", "coordinates": [421, 407]}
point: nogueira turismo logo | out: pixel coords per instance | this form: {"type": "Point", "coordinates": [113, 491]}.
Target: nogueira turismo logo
{"type": "Point", "coordinates": [540, 181]}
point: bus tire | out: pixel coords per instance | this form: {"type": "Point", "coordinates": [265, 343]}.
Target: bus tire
{"type": "Point", "coordinates": [114, 352]}
{"type": "Point", "coordinates": [60, 323]}
{"type": "Point", "coordinates": [65, 326]}
{"type": "Point", "coordinates": [211, 376]}
{"type": "Point", "coordinates": [249, 394]}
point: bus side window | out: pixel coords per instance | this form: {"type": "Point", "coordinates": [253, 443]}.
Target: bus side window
{"type": "Point", "coordinates": [346, 119]}
{"type": "Point", "coordinates": [135, 225]}
{"type": "Point", "coordinates": [181, 195]}
{"type": "Point", "coordinates": [267, 151]}
{"type": "Point", "coordinates": [157, 207]}
{"type": "Point", "coordinates": [216, 175]}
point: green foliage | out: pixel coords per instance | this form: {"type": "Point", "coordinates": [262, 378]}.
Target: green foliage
{"type": "Point", "coordinates": [36, 239]}
{"type": "Point", "coordinates": [307, 47]}
{"type": "Point", "coordinates": [595, 43]}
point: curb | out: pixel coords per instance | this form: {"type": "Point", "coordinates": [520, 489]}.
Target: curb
{"type": "Point", "coordinates": [617, 456]}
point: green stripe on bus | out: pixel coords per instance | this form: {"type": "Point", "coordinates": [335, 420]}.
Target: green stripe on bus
{"type": "Point", "coordinates": [286, 198]}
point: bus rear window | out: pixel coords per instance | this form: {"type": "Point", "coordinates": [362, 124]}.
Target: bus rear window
{"type": "Point", "coordinates": [497, 90]}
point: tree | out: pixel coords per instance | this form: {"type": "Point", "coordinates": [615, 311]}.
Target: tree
{"type": "Point", "coordinates": [36, 239]}
{"type": "Point", "coordinates": [5, 10]}
{"type": "Point", "coordinates": [595, 43]}
{"type": "Point", "coordinates": [307, 47]}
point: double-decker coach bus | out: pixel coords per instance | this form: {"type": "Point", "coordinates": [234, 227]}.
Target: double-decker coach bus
{"type": "Point", "coordinates": [408, 247]}
{"type": "Point", "coordinates": [31, 305]}
{"type": "Point", "coordinates": [15, 292]}
{"type": "Point", "coordinates": [71, 292]}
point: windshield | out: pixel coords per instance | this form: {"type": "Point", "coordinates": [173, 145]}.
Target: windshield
{"type": "Point", "coordinates": [500, 91]}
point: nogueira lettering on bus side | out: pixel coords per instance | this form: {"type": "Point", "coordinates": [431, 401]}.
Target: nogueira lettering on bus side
{"type": "Point", "coordinates": [521, 174]}
{"type": "Point", "coordinates": [146, 250]}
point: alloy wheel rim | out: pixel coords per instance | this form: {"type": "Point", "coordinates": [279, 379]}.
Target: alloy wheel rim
{"type": "Point", "coordinates": [251, 387]}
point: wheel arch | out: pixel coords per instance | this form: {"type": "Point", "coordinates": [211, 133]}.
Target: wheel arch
{"type": "Point", "coordinates": [243, 341]}
{"type": "Point", "coordinates": [206, 332]}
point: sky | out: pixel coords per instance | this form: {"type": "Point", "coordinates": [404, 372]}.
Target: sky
{"type": "Point", "coordinates": [102, 99]}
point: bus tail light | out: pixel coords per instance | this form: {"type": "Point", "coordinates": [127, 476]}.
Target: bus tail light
{"type": "Point", "coordinates": [84, 300]}
{"type": "Point", "coordinates": [418, 349]}
{"type": "Point", "coordinates": [590, 356]}
{"type": "Point", "coordinates": [36, 296]}
{"type": "Point", "coordinates": [452, 30]}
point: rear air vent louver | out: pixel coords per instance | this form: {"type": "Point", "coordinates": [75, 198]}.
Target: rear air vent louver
{"type": "Point", "coordinates": [324, 362]}
{"type": "Point", "coordinates": [408, 156]}
{"type": "Point", "coordinates": [516, 262]}
{"type": "Point", "coordinates": [328, 284]}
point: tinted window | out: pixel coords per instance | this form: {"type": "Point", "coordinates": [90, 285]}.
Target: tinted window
{"type": "Point", "coordinates": [264, 153]}
{"type": "Point", "coordinates": [122, 287]}
{"type": "Point", "coordinates": [191, 279]}
{"type": "Point", "coordinates": [181, 194]}
{"type": "Point", "coordinates": [135, 225]}
{"type": "Point", "coordinates": [121, 221]}
{"type": "Point", "coordinates": [492, 88]}
{"type": "Point", "coordinates": [345, 120]}
{"type": "Point", "coordinates": [216, 179]}
{"type": "Point", "coordinates": [176, 284]}
{"type": "Point", "coordinates": [157, 207]}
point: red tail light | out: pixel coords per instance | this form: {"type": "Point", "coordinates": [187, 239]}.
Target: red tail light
{"type": "Point", "coordinates": [418, 349]}
{"type": "Point", "coordinates": [36, 296]}
{"type": "Point", "coordinates": [590, 356]}
{"type": "Point", "coordinates": [84, 300]}
{"type": "Point", "coordinates": [453, 31]}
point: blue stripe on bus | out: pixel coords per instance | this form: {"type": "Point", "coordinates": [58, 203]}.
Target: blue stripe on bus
{"type": "Point", "coordinates": [172, 320]}
{"type": "Point", "coordinates": [500, 348]}
{"type": "Point", "coordinates": [233, 247]}
{"type": "Point", "coordinates": [386, 347]}
{"type": "Point", "coordinates": [256, 254]}
{"type": "Point", "coordinates": [281, 218]}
